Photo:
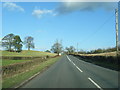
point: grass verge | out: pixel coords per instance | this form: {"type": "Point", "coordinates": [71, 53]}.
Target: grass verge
{"type": "Point", "coordinates": [16, 80]}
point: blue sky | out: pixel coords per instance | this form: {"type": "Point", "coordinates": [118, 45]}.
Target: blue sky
{"type": "Point", "coordinates": [92, 25]}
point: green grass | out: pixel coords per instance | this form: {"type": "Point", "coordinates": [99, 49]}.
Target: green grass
{"type": "Point", "coordinates": [8, 62]}
{"type": "Point", "coordinates": [26, 53]}
{"type": "Point", "coordinates": [16, 80]}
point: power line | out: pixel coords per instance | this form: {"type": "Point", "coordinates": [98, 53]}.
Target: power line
{"type": "Point", "coordinates": [77, 48]}
{"type": "Point", "coordinates": [100, 28]}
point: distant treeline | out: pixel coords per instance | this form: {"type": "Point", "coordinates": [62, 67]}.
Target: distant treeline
{"type": "Point", "coordinates": [98, 51]}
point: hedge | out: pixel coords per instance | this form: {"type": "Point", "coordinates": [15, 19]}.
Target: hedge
{"type": "Point", "coordinates": [114, 61]}
{"type": "Point", "coordinates": [20, 67]}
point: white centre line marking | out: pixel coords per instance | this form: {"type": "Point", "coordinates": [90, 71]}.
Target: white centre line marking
{"type": "Point", "coordinates": [68, 59]}
{"type": "Point", "coordinates": [74, 64]}
{"type": "Point", "coordinates": [95, 84]}
{"type": "Point", "coordinates": [79, 69]}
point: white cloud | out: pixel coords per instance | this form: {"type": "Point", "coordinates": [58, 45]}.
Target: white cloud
{"type": "Point", "coordinates": [12, 6]}
{"type": "Point", "coordinates": [40, 13]}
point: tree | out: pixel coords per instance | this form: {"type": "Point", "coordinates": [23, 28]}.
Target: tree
{"type": "Point", "coordinates": [47, 51]}
{"type": "Point", "coordinates": [57, 47]}
{"type": "Point", "coordinates": [70, 49]}
{"type": "Point", "coordinates": [98, 51]}
{"type": "Point", "coordinates": [7, 41]}
{"type": "Point", "coordinates": [29, 42]}
{"type": "Point", "coordinates": [17, 43]}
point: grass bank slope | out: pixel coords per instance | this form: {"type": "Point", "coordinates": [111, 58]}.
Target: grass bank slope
{"type": "Point", "coordinates": [26, 53]}
{"type": "Point", "coordinates": [100, 54]}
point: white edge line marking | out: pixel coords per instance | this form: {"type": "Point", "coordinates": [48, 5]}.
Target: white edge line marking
{"type": "Point", "coordinates": [74, 64]}
{"type": "Point", "coordinates": [95, 84]}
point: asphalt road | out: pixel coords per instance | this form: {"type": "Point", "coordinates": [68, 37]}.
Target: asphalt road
{"type": "Point", "coordinates": [70, 72]}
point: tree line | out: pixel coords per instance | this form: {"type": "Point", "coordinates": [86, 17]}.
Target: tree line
{"type": "Point", "coordinates": [99, 50]}
{"type": "Point", "coordinates": [14, 43]}
{"type": "Point", "coordinates": [58, 48]}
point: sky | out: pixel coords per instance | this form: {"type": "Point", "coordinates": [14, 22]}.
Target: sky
{"type": "Point", "coordinates": [91, 25]}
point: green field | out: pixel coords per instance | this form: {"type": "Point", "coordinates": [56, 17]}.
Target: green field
{"type": "Point", "coordinates": [18, 78]}
{"type": "Point", "coordinates": [8, 62]}
{"type": "Point", "coordinates": [26, 53]}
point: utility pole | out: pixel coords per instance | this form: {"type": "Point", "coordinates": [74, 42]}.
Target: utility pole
{"type": "Point", "coordinates": [77, 48]}
{"type": "Point", "coordinates": [116, 13]}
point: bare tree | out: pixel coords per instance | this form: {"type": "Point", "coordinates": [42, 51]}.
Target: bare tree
{"type": "Point", "coordinates": [57, 47]}
{"type": "Point", "coordinates": [70, 49]}
{"type": "Point", "coordinates": [29, 42]}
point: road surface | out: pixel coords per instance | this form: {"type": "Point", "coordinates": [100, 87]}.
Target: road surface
{"type": "Point", "coordinates": [70, 72]}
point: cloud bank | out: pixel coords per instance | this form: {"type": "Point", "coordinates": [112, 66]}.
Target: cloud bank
{"type": "Point", "coordinates": [68, 7]}
{"type": "Point", "coordinates": [12, 7]}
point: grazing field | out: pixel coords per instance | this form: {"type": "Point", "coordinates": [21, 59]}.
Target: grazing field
{"type": "Point", "coordinates": [9, 62]}
{"type": "Point", "coordinates": [26, 53]}
{"type": "Point", "coordinates": [100, 54]}
{"type": "Point", "coordinates": [29, 66]}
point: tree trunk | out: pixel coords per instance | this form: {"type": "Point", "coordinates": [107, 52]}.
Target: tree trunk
{"type": "Point", "coordinates": [28, 48]}
{"type": "Point", "coordinates": [9, 47]}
